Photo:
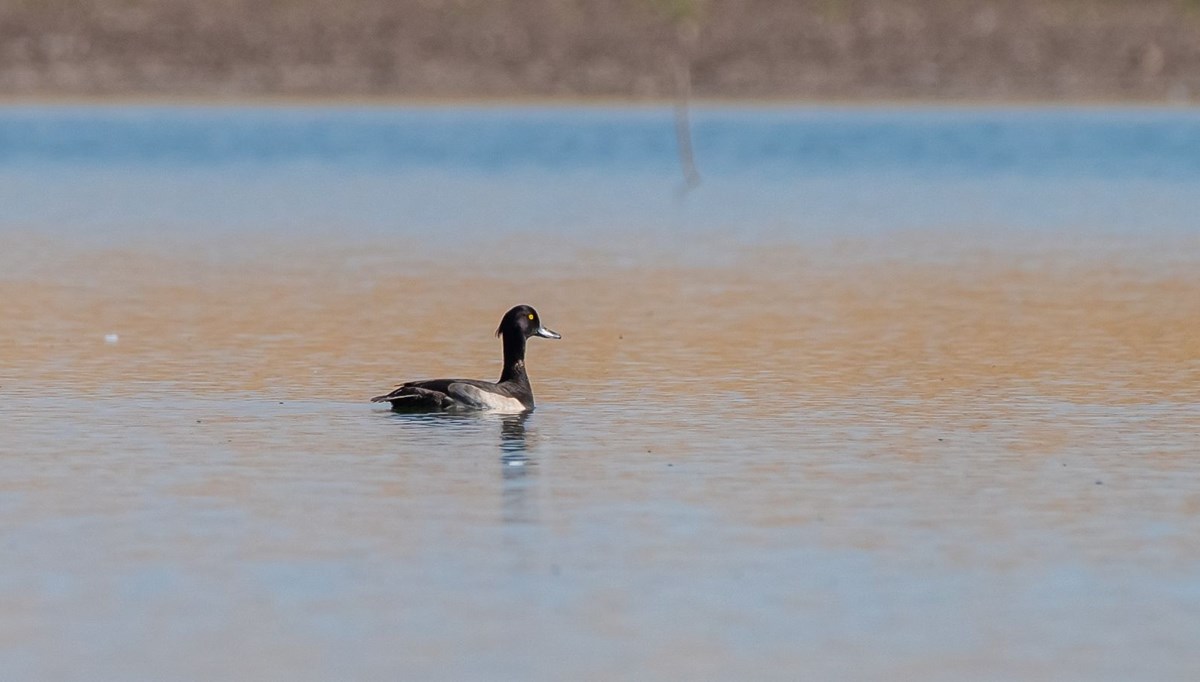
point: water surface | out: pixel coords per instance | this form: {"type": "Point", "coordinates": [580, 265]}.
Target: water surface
{"type": "Point", "coordinates": [893, 394]}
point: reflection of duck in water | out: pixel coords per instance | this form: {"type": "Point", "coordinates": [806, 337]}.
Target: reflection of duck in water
{"type": "Point", "coordinates": [512, 394]}
{"type": "Point", "coordinates": [512, 435]}
{"type": "Point", "coordinates": [514, 448]}
{"type": "Point", "coordinates": [518, 497]}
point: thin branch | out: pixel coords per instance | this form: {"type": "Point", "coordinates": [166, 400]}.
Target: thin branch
{"type": "Point", "coordinates": [683, 126]}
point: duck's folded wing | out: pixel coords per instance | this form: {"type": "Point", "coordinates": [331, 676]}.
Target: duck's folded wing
{"type": "Point", "coordinates": [410, 394]}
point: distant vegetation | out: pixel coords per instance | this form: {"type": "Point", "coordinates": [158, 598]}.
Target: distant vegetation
{"type": "Point", "coordinates": [856, 49]}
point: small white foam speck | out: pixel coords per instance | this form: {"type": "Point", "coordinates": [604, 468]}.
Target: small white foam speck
{"type": "Point", "coordinates": [111, 338]}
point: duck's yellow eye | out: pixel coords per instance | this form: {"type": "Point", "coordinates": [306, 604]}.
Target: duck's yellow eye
{"type": "Point", "coordinates": [531, 316]}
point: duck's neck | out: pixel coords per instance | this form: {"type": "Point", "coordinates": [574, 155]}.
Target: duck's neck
{"type": "Point", "coordinates": [514, 358]}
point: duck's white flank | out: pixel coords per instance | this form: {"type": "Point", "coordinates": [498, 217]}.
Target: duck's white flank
{"type": "Point", "coordinates": [485, 400]}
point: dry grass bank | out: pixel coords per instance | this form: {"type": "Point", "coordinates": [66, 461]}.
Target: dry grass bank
{"type": "Point", "coordinates": [961, 49]}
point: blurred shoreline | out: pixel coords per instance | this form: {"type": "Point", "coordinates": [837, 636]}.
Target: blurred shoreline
{"type": "Point", "coordinates": [790, 51]}
{"type": "Point", "coordinates": [572, 102]}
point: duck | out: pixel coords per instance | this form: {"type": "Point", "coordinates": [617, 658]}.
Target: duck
{"type": "Point", "coordinates": [511, 394]}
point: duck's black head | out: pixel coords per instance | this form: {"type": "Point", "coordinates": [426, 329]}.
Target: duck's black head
{"type": "Point", "coordinates": [524, 320]}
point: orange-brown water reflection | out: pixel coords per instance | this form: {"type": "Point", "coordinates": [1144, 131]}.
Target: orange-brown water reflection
{"type": "Point", "coordinates": [829, 321]}
{"type": "Point", "coordinates": [890, 455]}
